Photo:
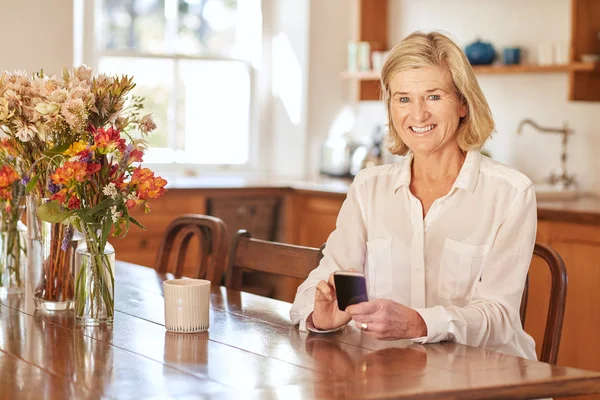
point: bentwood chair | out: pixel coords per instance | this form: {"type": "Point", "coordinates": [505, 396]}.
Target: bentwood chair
{"type": "Point", "coordinates": [211, 234]}
{"type": "Point", "coordinates": [556, 308]}
{"type": "Point", "coordinates": [281, 259]}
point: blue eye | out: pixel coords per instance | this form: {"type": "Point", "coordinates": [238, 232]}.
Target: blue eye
{"type": "Point", "coordinates": [434, 97]}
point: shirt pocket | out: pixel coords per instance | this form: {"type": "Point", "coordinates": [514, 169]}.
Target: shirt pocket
{"type": "Point", "coordinates": [379, 267]}
{"type": "Point", "coordinates": [460, 267]}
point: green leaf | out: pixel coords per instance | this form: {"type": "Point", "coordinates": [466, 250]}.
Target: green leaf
{"type": "Point", "coordinates": [105, 231]}
{"type": "Point", "coordinates": [32, 183]}
{"type": "Point", "coordinates": [135, 222]}
{"type": "Point", "coordinates": [98, 207]}
{"type": "Point", "coordinates": [57, 150]}
{"type": "Point", "coordinates": [51, 212]}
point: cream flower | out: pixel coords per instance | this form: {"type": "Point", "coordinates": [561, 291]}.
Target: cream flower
{"type": "Point", "coordinates": [75, 114]}
{"type": "Point", "coordinates": [25, 132]}
{"type": "Point", "coordinates": [5, 112]}
{"type": "Point", "coordinates": [46, 108]}
{"type": "Point", "coordinates": [147, 124]}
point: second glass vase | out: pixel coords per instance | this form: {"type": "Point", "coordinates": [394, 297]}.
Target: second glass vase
{"type": "Point", "coordinates": [94, 279]}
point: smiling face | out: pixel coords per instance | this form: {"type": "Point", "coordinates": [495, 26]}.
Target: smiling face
{"type": "Point", "coordinates": [425, 109]}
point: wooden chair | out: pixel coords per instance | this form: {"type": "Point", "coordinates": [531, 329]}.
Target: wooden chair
{"type": "Point", "coordinates": [212, 237]}
{"type": "Point", "coordinates": [247, 253]}
{"type": "Point", "coordinates": [556, 308]}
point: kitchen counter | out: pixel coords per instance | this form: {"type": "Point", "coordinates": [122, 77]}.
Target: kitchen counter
{"type": "Point", "coordinates": [585, 209]}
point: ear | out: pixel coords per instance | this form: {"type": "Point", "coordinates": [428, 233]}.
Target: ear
{"type": "Point", "coordinates": [463, 111]}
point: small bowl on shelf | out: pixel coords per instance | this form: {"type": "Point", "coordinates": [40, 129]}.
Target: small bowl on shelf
{"type": "Point", "coordinates": [590, 58]}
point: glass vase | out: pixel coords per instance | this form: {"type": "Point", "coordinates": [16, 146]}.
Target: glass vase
{"type": "Point", "coordinates": [13, 256]}
{"type": "Point", "coordinates": [50, 260]}
{"type": "Point", "coordinates": [94, 278]}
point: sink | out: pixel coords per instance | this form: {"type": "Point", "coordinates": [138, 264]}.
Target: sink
{"type": "Point", "coordinates": [547, 192]}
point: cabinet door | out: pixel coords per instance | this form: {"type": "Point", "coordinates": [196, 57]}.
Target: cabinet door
{"type": "Point", "coordinates": [579, 246]}
{"type": "Point", "coordinates": [314, 219]}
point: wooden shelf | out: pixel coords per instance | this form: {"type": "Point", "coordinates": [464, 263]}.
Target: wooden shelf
{"type": "Point", "coordinates": [531, 68]}
{"type": "Point", "coordinates": [498, 69]}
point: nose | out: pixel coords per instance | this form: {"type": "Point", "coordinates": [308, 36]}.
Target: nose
{"type": "Point", "coordinates": [420, 112]}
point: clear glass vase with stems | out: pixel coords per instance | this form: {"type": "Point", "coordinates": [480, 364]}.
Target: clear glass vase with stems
{"type": "Point", "coordinates": [13, 252]}
{"type": "Point", "coordinates": [50, 260]}
{"type": "Point", "coordinates": [94, 277]}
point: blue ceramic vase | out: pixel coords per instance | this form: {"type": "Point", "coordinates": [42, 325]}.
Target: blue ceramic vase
{"type": "Point", "coordinates": [480, 53]}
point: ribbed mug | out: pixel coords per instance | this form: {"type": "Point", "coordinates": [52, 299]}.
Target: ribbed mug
{"type": "Point", "coordinates": [187, 305]}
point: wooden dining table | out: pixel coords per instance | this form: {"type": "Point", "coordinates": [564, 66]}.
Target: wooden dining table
{"type": "Point", "coordinates": [251, 350]}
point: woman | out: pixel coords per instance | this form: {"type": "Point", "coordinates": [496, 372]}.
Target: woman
{"type": "Point", "coordinates": [444, 237]}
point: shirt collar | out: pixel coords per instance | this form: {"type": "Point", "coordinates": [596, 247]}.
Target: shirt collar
{"type": "Point", "coordinates": [466, 179]}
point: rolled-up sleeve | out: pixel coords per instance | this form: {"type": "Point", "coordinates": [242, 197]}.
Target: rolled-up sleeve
{"type": "Point", "coordinates": [491, 319]}
{"type": "Point", "coordinates": [345, 250]}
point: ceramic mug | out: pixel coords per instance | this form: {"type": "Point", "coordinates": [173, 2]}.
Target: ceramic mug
{"type": "Point", "coordinates": [511, 55]}
{"type": "Point", "coordinates": [187, 305]}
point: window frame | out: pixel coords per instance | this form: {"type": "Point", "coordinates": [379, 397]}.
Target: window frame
{"type": "Point", "coordinates": [87, 51]}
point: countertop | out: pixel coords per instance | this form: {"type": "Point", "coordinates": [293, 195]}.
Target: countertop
{"type": "Point", "coordinates": [585, 209]}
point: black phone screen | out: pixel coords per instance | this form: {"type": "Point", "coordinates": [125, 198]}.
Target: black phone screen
{"type": "Point", "coordinates": [350, 289]}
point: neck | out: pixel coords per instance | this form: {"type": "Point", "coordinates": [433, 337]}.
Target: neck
{"type": "Point", "coordinates": [437, 166]}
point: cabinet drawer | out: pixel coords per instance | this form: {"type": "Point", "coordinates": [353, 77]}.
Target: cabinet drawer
{"type": "Point", "coordinates": [258, 215]}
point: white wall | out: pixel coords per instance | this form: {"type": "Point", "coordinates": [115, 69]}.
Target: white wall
{"type": "Point", "coordinates": [330, 29]}
{"type": "Point", "coordinates": [36, 34]}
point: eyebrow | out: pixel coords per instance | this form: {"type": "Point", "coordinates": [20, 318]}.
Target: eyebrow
{"type": "Point", "coordinates": [427, 91]}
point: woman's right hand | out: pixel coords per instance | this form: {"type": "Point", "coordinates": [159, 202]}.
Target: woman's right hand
{"type": "Point", "coordinates": [326, 314]}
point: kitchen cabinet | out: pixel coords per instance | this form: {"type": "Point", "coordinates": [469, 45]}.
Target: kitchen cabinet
{"type": "Point", "coordinates": [584, 77]}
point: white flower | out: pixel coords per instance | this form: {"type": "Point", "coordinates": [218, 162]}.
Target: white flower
{"type": "Point", "coordinates": [47, 108]}
{"type": "Point", "coordinates": [115, 215]}
{"type": "Point", "coordinates": [110, 190]}
{"type": "Point", "coordinates": [132, 196]}
{"type": "Point", "coordinates": [25, 132]}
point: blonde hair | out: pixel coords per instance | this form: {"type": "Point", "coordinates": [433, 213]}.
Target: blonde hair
{"type": "Point", "coordinates": [437, 50]}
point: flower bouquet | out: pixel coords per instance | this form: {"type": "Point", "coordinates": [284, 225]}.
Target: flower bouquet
{"type": "Point", "coordinates": [82, 158]}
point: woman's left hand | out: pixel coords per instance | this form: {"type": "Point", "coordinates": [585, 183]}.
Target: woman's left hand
{"type": "Point", "coordinates": [386, 319]}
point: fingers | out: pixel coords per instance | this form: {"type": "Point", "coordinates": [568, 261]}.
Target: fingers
{"type": "Point", "coordinates": [367, 307]}
{"type": "Point", "coordinates": [375, 329]}
{"type": "Point", "coordinates": [326, 290]}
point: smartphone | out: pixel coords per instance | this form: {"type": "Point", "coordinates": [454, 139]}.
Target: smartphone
{"type": "Point", "coordinates": [350, 288]}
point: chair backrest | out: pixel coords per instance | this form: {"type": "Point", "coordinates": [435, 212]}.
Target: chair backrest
{"type": "Point", "coordinates": [556, 308]}
{"type": "Point", "coordinates": [247, 253]}
{"type": "Point", "coordinates": [211, 233]}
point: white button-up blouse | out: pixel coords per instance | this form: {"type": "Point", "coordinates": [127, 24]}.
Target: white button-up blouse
{"type": "Point", "coordinates": [462, 268]}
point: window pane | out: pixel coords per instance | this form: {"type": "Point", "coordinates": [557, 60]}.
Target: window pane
{"type": "Point", "coordinates": [207, 26]}
{"type": "Point", "coordinates": [154, 79]}
{"type": "Point", "coordinates": [215, 111]}
{"type": "Point", "coordinates": [134, 25]}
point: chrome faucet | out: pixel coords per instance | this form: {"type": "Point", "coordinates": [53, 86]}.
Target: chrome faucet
{"type": "Point", "coordinates": [561, 177]}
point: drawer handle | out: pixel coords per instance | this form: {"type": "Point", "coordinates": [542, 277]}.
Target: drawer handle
{"type": "Point", "coordinates": [144, 243]}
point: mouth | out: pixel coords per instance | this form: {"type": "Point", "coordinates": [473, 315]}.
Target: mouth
{"type": "Point", "coordinates": [422, 130]}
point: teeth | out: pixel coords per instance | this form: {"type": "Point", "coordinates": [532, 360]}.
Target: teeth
{"type": "Point", "coordinates": [423, 129]}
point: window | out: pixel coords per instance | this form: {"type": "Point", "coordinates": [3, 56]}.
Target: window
{"type": "Point", "coordinates": [194, 61]}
